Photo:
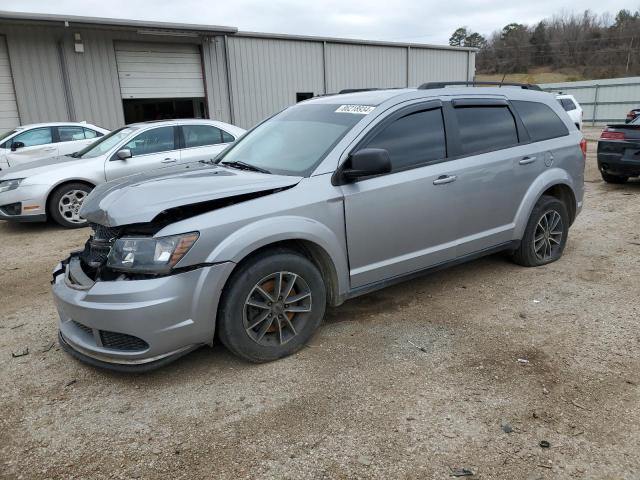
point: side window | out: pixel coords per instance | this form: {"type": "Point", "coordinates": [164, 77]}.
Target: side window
{"type": "Point", "coordinates": [485, 129]}
{"type": "Point", "coordinates": [152, 141]}
{"type": "Point", "coordinates": [227, 137]}
{"type": "Point", "coordinates": [414, 139]}
{"type": "Point", "coordinates": [37, 136]}
{"type": "Point", "coordinates": [201, 135]}
{"type": "Point", "coordinates": [70, 134]}
{"type": "Point", "coordinates": [541, 122]}
{"type": "Point", "coordinates": [567, 104]}
{"type": "Point", "coordinates": [88, 133]}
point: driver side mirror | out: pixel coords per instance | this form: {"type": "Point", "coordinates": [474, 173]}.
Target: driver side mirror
{"type": "Point", "coordinates": [16, 145]}
{"type": "Point", "coordinates": [364, 163]}
{"type": "Point", "coordinates": [124, 154]}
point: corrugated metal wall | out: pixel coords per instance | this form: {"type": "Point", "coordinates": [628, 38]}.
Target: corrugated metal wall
{"type": "Point", "coordinates": [603, 101]}
{"type": "Point", "coordinates": [426, 65]}
{"type": "Point", "coordinates": [365, 66]}
{"type": "Point", "coordinates": [9, 117]}
{"type": "Point", "coordinates": [265, 75]}
{"type": "Point", "coordinates": [37, 73]}
{"type": "Point", "coordinates": [247, 76]}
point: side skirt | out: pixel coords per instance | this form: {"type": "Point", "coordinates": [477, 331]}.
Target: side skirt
{"type": "Point", "coordinates": [372, 287]}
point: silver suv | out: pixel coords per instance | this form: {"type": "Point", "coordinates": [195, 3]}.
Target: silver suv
{"type": "Point", "coordinates": [329, 199]}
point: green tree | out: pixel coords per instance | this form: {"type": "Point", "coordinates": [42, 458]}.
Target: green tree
{"type": "Point", "coordinates": [457, 38]}
{"type": "Point", "coordinates": [475, 40]}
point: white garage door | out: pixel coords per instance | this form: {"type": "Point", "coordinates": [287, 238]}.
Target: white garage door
{"type": "Point", "coordinates": [158, 70]}
{"type": "Point", "coordinates": [8, 108]}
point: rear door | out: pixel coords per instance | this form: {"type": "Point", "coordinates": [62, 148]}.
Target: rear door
{"type": "Point", "coordinates": [489, 150]}
{"type": "Point", "coordinates": [405, 220]}
{"type": "Point", "coordinates": [202, 142]}
{"type": "Point", "coordinates": [33, 144]}
{"type": "Point", "coordinates": [71, 138]}
{"type": "Point", "coordinates": [151, 149]}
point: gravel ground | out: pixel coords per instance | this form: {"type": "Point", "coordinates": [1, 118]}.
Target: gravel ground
{"type": "Point", "coordinates": [413, 381]}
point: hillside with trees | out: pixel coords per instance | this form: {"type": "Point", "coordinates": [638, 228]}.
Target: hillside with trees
{"type": "Point", "coordinates": [578, 45]}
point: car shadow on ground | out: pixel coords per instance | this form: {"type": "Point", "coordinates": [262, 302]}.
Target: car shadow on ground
{"type": "Point", "coordinates": [30, 227]}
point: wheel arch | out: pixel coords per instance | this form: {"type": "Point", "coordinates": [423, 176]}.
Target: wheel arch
{"type": "Point", "coordinates": [307, 237]}
{"type": "Point", "coordinates": [556, 183]}
{"type": "Point", "coordinates": [61, 183]}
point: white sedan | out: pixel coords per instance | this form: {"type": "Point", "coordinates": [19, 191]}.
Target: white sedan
{"type": "Point", "coordinates": [33, 142]}
{"type": "Point", "coordinates": [56, 187]}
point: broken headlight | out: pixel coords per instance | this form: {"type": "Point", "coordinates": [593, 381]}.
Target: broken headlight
{"type": "Point", "coordinates": [149, 255]}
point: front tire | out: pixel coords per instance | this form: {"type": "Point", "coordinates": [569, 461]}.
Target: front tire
{"type": "Point", "coordinates": [615, 179]}
{"type": "Point", "coordinates": [65, 202]}
{"type": "Point", "coordinates": [545, 235]}
{"type": "Point", "coordinates": [271, 306]}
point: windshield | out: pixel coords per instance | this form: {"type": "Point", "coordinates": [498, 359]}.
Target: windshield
{"type": "Point", "coordinates": [636, 121]}
{"type": "Point", "coordinates": [7, 134]}
{"type": "Point", "coordinates": [294, 141]}
{"type": "Point", "coordinates": [104, 144]}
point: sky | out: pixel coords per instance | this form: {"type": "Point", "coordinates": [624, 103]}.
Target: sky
{"type": "Point", "coordinates": [419, 21]}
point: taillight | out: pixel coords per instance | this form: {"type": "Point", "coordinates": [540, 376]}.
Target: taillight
{"type": "Point", "coordinates": [610, 135]}
{"type": "Point", "coordinates": [583, 147]}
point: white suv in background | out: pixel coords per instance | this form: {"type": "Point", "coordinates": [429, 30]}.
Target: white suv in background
{"type": "Point", "coordinates": [572, 107]}
{"type": "Point", "coordinates": [44, 140]}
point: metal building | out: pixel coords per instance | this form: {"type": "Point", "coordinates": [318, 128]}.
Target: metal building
{"type": "Point", "coordinates": [111, 72]}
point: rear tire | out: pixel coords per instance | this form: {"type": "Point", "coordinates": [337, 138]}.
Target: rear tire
{"type": "Point", "coordinates": [271, 307]}
{"type": "Point", "coordinates": [545, 235]}
{"type": "Point", "coordinates": [65, 202]}
{"type": "Point", "coordinates": [615, 179]}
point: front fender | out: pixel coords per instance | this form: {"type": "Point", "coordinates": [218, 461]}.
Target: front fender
{"type": "Point", "coordinates": [551, 177]}
{"type": "Point", "coordinates": [251, 237]}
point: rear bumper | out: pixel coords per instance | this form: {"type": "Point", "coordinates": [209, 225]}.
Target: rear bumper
{"type": "Point", "coordinates": [138, 325]}
{"type": "Point", "coordinates": [618, 165]}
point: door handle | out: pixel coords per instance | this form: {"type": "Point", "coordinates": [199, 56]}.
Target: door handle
{"type": "Point", "coordinates": [527, 160]}
{"type": "Point", "coordinates": [169, 160]}
{"type": "Point", "coordinates": [442, 179]}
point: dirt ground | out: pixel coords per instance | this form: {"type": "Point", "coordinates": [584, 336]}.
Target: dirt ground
{"type": "Point", "coordinates": [414, 381]}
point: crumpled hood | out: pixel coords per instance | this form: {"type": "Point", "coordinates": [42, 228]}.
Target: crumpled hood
{"type": "Point", "coordinates": [140, 198]}
{"type": "Point", "coordinates": [29, 169]}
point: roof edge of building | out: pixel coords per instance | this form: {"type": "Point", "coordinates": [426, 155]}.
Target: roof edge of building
{"type": "Point", "coordinates": [356, 41]}
{"type": "Point", "coordinates": [77, 20]}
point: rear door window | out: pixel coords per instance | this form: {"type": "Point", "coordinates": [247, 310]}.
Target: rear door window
{"type": "Point", "coordinates": [541, 122]}
{"type": "Point", "coordinates": [88, 133]}
{"type": "Point", "coordinates": [70, 134]}
{"type": "Point", "coordinates": [412, 140]}
{"type": "Point", "coordinates": [201, 135]}
{"type": "Point", "coordinates": [485, 128]}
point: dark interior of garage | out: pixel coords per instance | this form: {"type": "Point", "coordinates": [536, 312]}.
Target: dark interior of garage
{"type": "Point", "coordinates": [146, 109]}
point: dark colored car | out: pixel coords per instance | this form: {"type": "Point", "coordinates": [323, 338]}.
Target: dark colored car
{"type": "Point", "coordinates": [632, 115]}
{"type": "Point", "coordinates": [619, 152]}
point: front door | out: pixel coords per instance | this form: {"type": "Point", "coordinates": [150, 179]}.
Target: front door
{"type": "Point", "coordinates": [31, 145]}
{"type": "Point", "coordinates": [406, 220]}
{"type": "Point", "coordinates": [154, 148]}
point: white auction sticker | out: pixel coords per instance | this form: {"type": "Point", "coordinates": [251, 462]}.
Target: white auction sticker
{"type": "Point", "coordinates": [357, 109]}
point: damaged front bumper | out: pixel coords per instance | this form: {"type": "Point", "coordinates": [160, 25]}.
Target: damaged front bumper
{"type": "Point", "coordinates": [136, 325]}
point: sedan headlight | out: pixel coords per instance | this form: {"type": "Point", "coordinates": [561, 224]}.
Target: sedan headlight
{"type": "Point", "coordinates": [6, 185]}
{"type": "Point", "coordinates": [150, 255]}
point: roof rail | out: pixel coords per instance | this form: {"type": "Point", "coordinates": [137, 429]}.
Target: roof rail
{"type": "Point", "coordinates": [434, 85]}
{"type": "Point", "coordinates": [356, 90]}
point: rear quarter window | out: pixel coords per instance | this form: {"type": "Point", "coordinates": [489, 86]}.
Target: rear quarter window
{"type": "Point", "coordinates": [541, 122]}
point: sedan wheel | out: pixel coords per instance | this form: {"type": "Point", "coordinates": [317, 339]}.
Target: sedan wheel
{"type": "Point", "coordinates": [69, 206]}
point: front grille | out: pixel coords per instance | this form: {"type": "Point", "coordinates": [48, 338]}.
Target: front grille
{"type": "Point", "coordinates": [121, 341]}
{"type": "Point", "coordinates": [82, 327]}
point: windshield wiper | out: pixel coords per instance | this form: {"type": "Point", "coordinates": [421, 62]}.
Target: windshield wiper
{"type": "Point", "coordinates": [245, 166]}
